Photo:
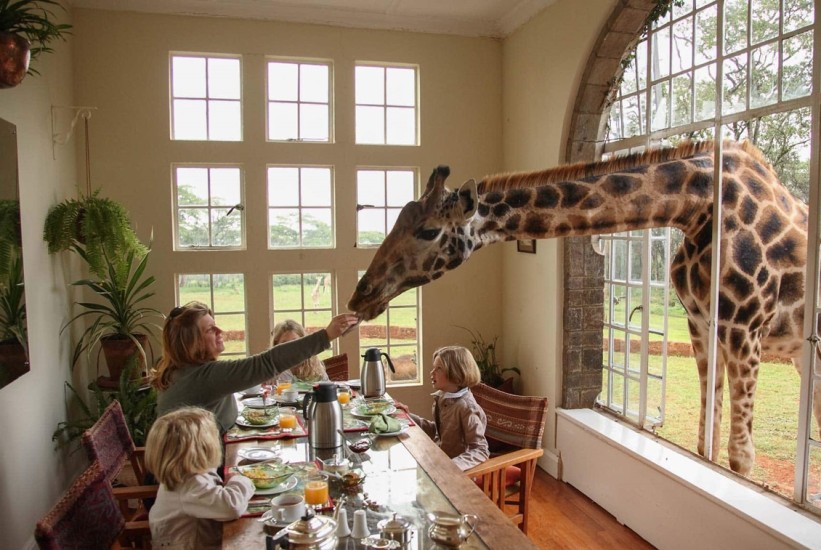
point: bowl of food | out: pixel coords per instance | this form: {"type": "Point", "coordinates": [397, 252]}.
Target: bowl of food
{"type": "Point", "coordinates": [336, 465]}
{"type": "Point", "coordinates": [260, 417]}
{"type": "Point", "coordinates": [267, 475]}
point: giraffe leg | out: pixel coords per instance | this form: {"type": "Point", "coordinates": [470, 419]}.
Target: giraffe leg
{"type": "Point", "coordinates": [700, 349]}
{"type": "Point", "coordinates": [742, 375]}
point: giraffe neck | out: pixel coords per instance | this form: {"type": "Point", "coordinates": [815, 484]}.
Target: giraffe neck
{"type": "Point", "coordinates": [638, 192]}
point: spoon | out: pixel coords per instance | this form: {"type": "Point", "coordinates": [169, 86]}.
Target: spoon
{"type": "Point", "coordinates": [348, 453]}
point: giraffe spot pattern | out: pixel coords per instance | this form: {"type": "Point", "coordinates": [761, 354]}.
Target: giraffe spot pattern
{"type": "Point", "coordinates": [791, 289]}
{"type": "Point", "coordinates": [748, 211]}
{"type": "Point", "coordinates": [671, 175]}
{"type": "Point", "coordinates": [535, 224]}
{"type": "Point", "coordinates": [740, 286]}
{"type": "Point", "coordinates": [726, 307]}
{"type": "Point", "coordinates": [500, 210]}
{"type": "Point", "coordinates": [770, 227]}
{"type": "Point", "coordinates": [619, 185]}
{"type": "Point", "coordinates": [572, 193]}
{"type": "Point", "coordinates": [546, 197]}
{"type": "Point", "coordinates": [745, 253]}
{"type": "Point", "coordinates": [699, 184]}
{"type": "Point", "coordinates": [517, 198]}
{"type": "Point", "coordinates": [783, 253]}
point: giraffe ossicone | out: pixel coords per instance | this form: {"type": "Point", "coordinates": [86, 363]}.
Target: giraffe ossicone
{"type": "Point", "coordinates": [763, 249]}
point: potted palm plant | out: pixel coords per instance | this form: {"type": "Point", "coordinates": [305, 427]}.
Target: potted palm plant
{"type": "Point", "coordinates": [119, 321]}
{"type": "Point", "coordinates": [13, 334]}
{"type": "Point", "coordinates": [26, 29]}
{"type": "Point", "coordinates": [484, 352]}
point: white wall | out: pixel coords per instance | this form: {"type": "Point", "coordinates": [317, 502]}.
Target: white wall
{"type": "Point", "coordinates": [32, 474]}
{"type": "Point", "coordinates": [542, 65]}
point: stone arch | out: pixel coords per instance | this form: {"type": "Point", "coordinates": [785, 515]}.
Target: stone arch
{"type": "Point", "coordinates": [583, 281]}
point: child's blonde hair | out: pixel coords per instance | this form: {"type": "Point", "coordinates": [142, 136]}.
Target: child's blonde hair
{"type": "Point", "coordinates": [459, 365]}
{"type": "Point", "coordinates": [182, 443]}
{"type": "Point", "coordinates": [311, 369]}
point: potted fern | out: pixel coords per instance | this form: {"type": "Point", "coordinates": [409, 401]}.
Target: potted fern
{"type": "Point", "coordinates": [26, 29]}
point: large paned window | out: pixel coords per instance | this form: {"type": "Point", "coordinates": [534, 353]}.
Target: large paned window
{"type": "Point", "coordinates": [307, 298]}
{"type": "Point", "coordinates": [396, 332]}
{"type": "Point", "coordinates": [299, 101]}
{"type": "Point", "coordinates": [381, 194]}
{"type": "Point", "coordinates": [206, 102]}
{"type": "Point", "coordinates": [744, 69]}
{"type": "Point", "coordinates": [208, 206]}
{"type": "Point", "coordinates": [224, 293]}
{"type": "Point", "coordinates": [300, 207]}
{"type": "Point", "coordinates": [386, 105]}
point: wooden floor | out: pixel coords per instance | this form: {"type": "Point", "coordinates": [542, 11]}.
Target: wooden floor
{"type": "Point", "coordinates": [561, 517]}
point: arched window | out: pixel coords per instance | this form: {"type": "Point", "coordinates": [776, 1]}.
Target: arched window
{"type": "Point", "coordinates": [745, 69]}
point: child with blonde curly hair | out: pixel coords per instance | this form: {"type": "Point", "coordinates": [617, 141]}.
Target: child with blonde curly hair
{"type": "Point", "coordinates": [183, 451]}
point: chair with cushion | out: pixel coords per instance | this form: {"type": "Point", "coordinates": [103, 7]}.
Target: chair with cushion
{"type": "Point", "coordinates": [88, 516]}
{"type": "Point", "coordinates": [337, 367]}
{"type": "Point", "coordinates": [109, 443]}
{"type": "Point", "coordinates": [515, 426]}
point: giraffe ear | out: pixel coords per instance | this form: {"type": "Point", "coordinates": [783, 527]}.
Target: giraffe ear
{"type": "Point", "coordinates": [468, 198]}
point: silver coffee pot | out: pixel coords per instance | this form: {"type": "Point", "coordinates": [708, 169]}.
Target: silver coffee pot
{"type": "Point", "coordinates": [373, 373]}
{"type": "Point", "coordinates": [323, 413]}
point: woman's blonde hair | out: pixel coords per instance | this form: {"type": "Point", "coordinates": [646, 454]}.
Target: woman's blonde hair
{"type": "Point", "coordinates": [182, 443]}
{"type": "Point", "coordinates": [311, 369]}
{"type": "Point", "coordinates": [182, 342]}
{"type": "Point", "coordinates": [459, 365]}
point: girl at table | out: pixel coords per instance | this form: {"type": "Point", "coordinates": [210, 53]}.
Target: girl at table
{"type": "Point", "coordinates": [190, 374]}
{"type": "Point", "coordinates": [310, 370]}
{"type": "Point", "coordinates": [183, 451]}
{"type": "Point", "coordinates": [459, 422]}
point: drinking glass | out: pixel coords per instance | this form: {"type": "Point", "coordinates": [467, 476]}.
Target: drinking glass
{"type": "Point", "coordinates": [316, 492]}
{"type": "Point", "coordinates": [282, 386]}
{"type": "Point", "coordinates": [287, 419]}
{"type": "Point", "coordinates": [344, 395]}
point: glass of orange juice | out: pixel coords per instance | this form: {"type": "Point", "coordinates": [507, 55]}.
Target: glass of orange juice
{"type": "Point", "coordinates": [316, 491]}
{"type": "Point", "coordinates": [282, 386]}
{"type": "Point", "coordinates": [344, 395]}
{"type": "Point", "coordinates": [287, 419]}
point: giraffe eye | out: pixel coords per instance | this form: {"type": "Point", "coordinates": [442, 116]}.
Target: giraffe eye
{"type": "Point", "coordinates": [427, 234]}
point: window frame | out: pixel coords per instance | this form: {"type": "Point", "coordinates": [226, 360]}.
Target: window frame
{"type": "Point", "coordinates": [386, 106]}
{"type": "Point", "coordinates": [300, 62]}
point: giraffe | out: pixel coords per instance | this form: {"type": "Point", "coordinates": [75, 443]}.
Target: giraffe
{"type": "Point", "coordinates": [763, 250]}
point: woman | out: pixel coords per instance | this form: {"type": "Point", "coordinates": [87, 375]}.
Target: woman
{"type": "Point", "coordinates": [310, 370]}
{"type": "Point", "coordinates": [189, 373]}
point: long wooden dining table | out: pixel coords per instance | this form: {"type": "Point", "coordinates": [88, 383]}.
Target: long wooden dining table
{"type": "Point", "coordinates": [406, 474]}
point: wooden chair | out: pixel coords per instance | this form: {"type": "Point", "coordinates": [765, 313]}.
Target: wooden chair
{"type": "Point", "coordinates": [515, 426]}
{"type": "Point", "coordinates": [88, 516]}
{"type": "Point", "coordinates": [337, 367]}
{"type": "Point", "coordinates": [109, 443]}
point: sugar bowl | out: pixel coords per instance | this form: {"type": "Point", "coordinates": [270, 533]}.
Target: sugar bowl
{"type": "Point", "coordinates": [397, 529]}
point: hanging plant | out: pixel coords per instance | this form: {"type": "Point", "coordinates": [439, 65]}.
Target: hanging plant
{"type": "Point", "coordinates": [26, 30]}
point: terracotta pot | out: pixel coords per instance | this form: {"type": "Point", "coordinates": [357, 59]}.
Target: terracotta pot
{"type": "Point", "coordinates": [119, 350]}
{"type": "Point", "coordinates": [15, 54]}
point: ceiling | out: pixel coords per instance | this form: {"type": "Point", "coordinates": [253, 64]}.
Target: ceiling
{"type": "Point", "coordinates": [489, 18]}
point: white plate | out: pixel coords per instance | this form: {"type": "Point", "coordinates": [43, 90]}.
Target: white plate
{"type": "Point", "coordinates": [402, 430]}
{"type": "Point", "coordinates": [245, 424]}
{"type": "Point", "coordinates": [286, 485]}
{"type": "Point", "coordinates": [361, 411]}
{"type": "Point", "coordinates": [256, 402]}
{"type": "Point", "coordinates": [257, 453]}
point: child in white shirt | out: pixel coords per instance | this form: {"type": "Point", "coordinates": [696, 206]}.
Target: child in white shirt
{"type": "Point", "coordinates": [183, 451]}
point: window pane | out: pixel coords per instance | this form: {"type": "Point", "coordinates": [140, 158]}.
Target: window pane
{"type": "Point", "coordinates": [316, 187]}
{"type": "Point", "coordinates": [225, 120]}
{"type": "Point", "coordinates": [660, 113]}
{"type": "Point", "coordinates": [735, 84]}
{"type": "Point", "coordinates": [313, 84]}
{"type": "Point", "coordinates": [798, 14]}
{"type": "Point", "coordinates": [682, 45]}
{"type": "Point", "coordinates": [188, 77]}
{"type": "Point", "coordinates": [705, 39]}
{"type": "Point", "coordinates": [371, 226]}
{"type": "Point", "coordinates": [316, 227]}
{"type": "Point", "coordinates": [193, 227]}
{"type": "Point", "coordinates": [796, 79]}
{"type": "Point", "coordinates": [765, 14]}
{"type": "Point", "coordinates": [283, 186]}
{"type": "Point", "coordinates": [682, 100]}
{"type": "Point", "coordinates": [225, 186]}
{"type": "Point", "coordinates": [401, 126]}
{"type": "Point", "coordinates": [283, 121]}
{"type": "Point", "coordinates": [283, 81]}
{"type": "Point", "coordinates": [192, 186]}
{"type": "Point", "coordinates": [284, 227]}
{"type": "Point", "coordinates": [705, 92]}
{"type": "Point", "coordinates": [661, 54]}
{"type": "Point", "coordinates": [399, 187]}
{"type": "Point", "coordinates": [400, 87]}
{"type": "Point", "coordinates": [632, 116]}
{"type": "Point", "coordinates": [226, 229]}
{"type": "Point", "coordinates": [370, 187]}
{"type": "Point", "coordinates": [735, 25]}
{"type": "Point", "coordinates": [370, 125]}
{"type": "Point", "coordinates": [223, 78]}
{"type": "Point", "coordinates": [313, 122]}
{"type": "Point", "coordinates": [370, 85]}
{"type": "Point", "coordinates": [764, 77]}
{"type": "Point", "coordinates": [190, 121]}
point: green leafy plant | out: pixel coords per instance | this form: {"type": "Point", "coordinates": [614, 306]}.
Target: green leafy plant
{"type": "Point", "coordinates": [139, 406]}
{"type": "Point", "coordinates": [97, 228]}
{"type": "Point", "coordinates": [121, 311]}
{"type": "Point", "coordinates": [12, 294]}
{"type": "Point", "coordinates": [33, 21]}
{"type": "Point", "coordinates": [484, 352]}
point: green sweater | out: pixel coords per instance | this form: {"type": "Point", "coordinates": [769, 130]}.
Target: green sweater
{"type": "Point", "coordinates": [212, 385]}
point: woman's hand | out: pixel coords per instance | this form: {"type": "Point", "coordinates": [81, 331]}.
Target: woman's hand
{"type": "Point", "coordinates": [341, 324]}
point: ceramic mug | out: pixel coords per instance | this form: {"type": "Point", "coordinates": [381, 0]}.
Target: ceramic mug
{"type": "Point", "coordinates": [287, 508]}
{"type": "Point", "coordinates": [290, 395]}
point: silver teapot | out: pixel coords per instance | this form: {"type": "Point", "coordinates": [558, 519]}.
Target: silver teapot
{"type": "Point", "coordinates": [451, 530]}
{"type": "Point", "coordinates": [373, 373]}
{"type": "Point", "coordinates": [323, 413]}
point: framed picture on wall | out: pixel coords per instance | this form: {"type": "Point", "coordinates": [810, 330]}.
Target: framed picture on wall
{"type": "Point", "coordinates": [528, 246]}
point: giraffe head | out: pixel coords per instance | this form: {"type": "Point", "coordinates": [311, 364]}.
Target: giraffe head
{"type": "Point", "coordinates": [431, 236]}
